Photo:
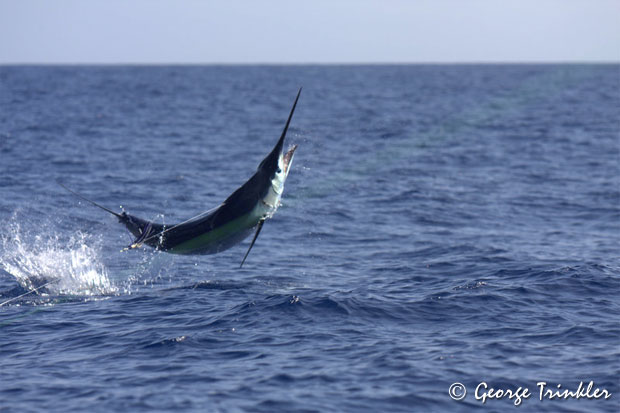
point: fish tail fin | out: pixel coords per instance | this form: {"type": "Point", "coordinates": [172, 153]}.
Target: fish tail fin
{"type": "Point", "coordinates": [121, 217]}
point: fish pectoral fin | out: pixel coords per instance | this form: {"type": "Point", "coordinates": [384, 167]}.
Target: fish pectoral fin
{"type": "Point", "coordinates": [146, 232]}
{"type": "Point", "coordinates": [258, 228]}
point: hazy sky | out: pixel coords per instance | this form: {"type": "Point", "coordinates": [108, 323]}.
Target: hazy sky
{"type": "Point", "coordinates": [308, 31]}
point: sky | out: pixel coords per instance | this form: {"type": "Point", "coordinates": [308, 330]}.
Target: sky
{"type": "Point", "coordinates": [308, 31]}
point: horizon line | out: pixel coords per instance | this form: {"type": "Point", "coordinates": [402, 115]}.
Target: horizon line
{"type": "Point", "coordinates": [360, 63]}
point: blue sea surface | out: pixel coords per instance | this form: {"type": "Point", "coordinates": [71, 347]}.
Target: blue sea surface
{"type": "Point", "coordinates": [440, 224]}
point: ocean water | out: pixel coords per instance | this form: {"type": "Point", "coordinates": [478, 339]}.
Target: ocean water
{"type": "Point", "coordinates": [440, 225]}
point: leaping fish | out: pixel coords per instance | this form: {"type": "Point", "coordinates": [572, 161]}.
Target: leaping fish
{"type": "Point", "coordinates": [228, 224]}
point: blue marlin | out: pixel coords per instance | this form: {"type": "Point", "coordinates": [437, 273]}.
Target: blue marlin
{"type": "Point", "coordinates": [216, 230]}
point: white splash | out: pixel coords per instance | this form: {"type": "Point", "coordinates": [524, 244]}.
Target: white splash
{"type": "Point", "coordinates": [71, 267]}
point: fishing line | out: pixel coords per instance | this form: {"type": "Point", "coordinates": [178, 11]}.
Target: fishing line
{"type": "Point", "coordinates": [26, 293]}
{"type": "Point", "coordinates": [139, 241]}
{"type": "Point", "coordinates": [161, 233]}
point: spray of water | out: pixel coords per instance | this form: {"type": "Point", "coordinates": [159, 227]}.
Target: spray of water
{"type": "Point", "coordinates": [66, 266]}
